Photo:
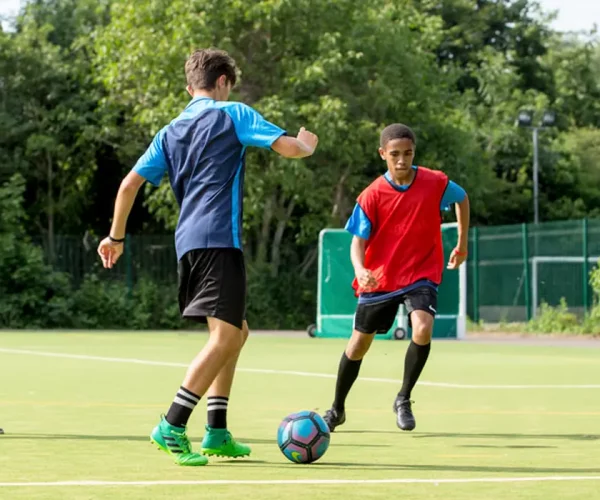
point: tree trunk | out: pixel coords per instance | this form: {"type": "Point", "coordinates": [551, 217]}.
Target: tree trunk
{"type": "Point", "coordinates": [338, 199]}
{"type": "Point", "coordinates": [308, 261]}
{"type": "Point", "coordinates": [276, 247]}
{"type": "Point", "coordinates": [263, 237]}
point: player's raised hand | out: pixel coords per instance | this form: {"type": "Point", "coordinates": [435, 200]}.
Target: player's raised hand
{"type": "Point", "coordinates": [110, 252]}
{"type": "Point", "coordinates": [308, 138]}
{"type": "Point", "coordinates": [456, 259]}
{"type": "Point", "coordinates": [366, 280]}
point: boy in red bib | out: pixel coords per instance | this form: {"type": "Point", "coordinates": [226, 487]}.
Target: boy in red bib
{"type": "Point", "coordinates": [398, 258]}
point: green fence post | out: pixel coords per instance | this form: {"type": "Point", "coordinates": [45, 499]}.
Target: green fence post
{"type": "Point", "coordinates": [586, 270]}
{"type": "Point", "coordinates": [128, 265]}
{"type": "Point", "coordinates": [527, 287]}
{"type": "Point", "coordinates": [476, 274]}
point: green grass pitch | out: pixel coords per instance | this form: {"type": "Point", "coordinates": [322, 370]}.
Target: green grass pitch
{"type": "Point", "coordinates": [78, 408]}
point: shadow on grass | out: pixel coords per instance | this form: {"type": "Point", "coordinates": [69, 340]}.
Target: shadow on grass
{"type": "Point", "coordinates": [470, 435]}
{"type": "Point", "coordinates": [510, 446]}
{"type": "Point", "coordinates": [86, 437]}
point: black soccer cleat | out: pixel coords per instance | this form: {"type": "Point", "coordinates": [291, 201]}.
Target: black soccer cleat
{"type": "Point", "coordinates": [405, 419]}
{"type": "Point", "coordinates": [333, 418]}
{"type": "Point", "coordinates": [1, 431]}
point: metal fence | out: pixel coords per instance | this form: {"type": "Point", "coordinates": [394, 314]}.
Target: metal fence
{"type": "Point", "coordinates": [511, 269]}
{"type": "Point", "coordinates": [152, 257]}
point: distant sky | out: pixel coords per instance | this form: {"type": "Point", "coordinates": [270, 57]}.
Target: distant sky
{"type": "Point", "coordinates": [574, 15]}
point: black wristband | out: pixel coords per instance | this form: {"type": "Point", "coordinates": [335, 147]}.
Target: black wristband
{"type": "Point", "coordinates": [115, 240]}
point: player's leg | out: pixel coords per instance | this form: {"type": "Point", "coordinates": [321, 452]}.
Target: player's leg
{"type": "Point", "coordinates": [170, 435]}
{"type": "Point", "coordinates": [218, 440]}
{"type": "Point", "coordinates": [421, 305]}
{"type": "Point", "coordinates": [212, 289]}
{"type": "Point", "coordinates": [368, 320]}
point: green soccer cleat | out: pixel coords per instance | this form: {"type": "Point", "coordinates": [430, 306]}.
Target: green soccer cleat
{"type": "Point", "coordinates": [174, 441]}
{"type": "Point", "coordinates": [220, 443]}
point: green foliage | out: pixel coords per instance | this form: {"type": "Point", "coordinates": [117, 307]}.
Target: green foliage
{"type": "Point", "coordinates": [106, 305]}
{"type": "Point", "coordinates": [36, 296]}
{"type": "Point", "coordinates": [87, 83]}
{"type": "Point", "coordinates": [285, 303]}
{"type": "Point", "coordinates": [591, 323]}
{"type": "Point", "coordinates": [560, 320]}
{"type": "Point", "coordinates": [553, 320]}
{"type": "Point", "coordinates": [32, 294]}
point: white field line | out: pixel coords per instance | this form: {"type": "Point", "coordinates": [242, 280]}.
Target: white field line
{"type": "Point", "coordinates": [291, 372]}
{"type": "Point", "coordinates": [259, 482]}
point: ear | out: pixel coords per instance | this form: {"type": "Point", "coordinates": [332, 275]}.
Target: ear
{"type": "Point", "coordinates": [382, 153]}
{"type": "Point", "coordinates": [190, 90]}
{"type": "Point", "coordinates": [222, 81]}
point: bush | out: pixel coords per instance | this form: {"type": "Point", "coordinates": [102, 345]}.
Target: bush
{"type": "Point", "coordinates": [591, 324]}
{"type": "Point", "coordinates": [554, 320]}
{"type": "Point", "coordinates": [285, 302]}
{"type": "Point", "coordinates": [33, 295]}
{"type": "Point", "coordinates": [110, 305]}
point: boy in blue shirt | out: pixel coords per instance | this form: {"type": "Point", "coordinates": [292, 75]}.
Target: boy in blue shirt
{"type": "Point", "coordinates": [203, 152]}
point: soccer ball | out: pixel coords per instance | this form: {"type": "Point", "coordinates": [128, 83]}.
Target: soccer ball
{"type": "Point", "coordinates": [303, 437]}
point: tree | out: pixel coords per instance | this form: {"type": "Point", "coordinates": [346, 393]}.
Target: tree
{"type": "Point", "coordinates": [47, 114]}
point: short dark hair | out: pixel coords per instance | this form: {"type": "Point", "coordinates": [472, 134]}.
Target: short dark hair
{"type": "Point", "coordinates": [204, 67]}
{"type": "Point", "coordinates": [396, 131]}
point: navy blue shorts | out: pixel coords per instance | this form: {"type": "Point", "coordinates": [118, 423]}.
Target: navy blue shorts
{"type": "Point", "coordinates": [378, 317]}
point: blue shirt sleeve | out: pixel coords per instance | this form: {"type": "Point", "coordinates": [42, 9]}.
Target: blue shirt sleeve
{"type": "Point", "coordinates": [359, 224]}
{"type": "Point", "coordinates": [152, 165]}
{"type": "Point", "coordinates": [251, 128]}
{"type": "Point", "coordinates": [453, 194]}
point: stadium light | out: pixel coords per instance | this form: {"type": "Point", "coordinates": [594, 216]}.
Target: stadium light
{"type": "Point", "coordinates": [525, 119]}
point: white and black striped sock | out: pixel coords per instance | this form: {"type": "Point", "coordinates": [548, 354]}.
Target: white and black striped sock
{"type": "Point", "coordinates": [182, 407]}
{"type": "Point", "coordinates": [217, 412]}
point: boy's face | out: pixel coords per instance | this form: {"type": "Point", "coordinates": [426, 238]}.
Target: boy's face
{"type": "Point", "coordinates": [398, 155]}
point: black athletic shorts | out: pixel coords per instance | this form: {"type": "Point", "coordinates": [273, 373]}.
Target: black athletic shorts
{"type": "Point", "coordinates": [212, 282]}
{"type": "Point", "coordinates": [378, 317]}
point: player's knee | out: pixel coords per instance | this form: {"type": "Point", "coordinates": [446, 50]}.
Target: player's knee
{"type": "Point", "coordinates": [422, 327]}
{"type": "Point", "coordinates": [227, 347]}
{"type": "Point", "coordinates": [226, 338]}
{"type": "Point", "coordinates": [421, 333]}
{"type": "Point", "coordinates": [359, 345]}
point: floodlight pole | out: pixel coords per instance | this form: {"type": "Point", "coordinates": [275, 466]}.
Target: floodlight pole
{"type": "Point", "coordinates": [536, 186]}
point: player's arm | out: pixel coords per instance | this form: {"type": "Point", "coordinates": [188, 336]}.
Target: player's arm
{"type": "Point", "coordinates": [301, 146]}
{"type": "Point", "coordinates": [111, 247]}
{"type": "Point", "coordinates": [360, 226]}
{"type": "Point", "coordinates": [253, 130]}
{"type": "Point", "coordinates": [150, 167]}
{"type": "Point", "coordinates": [357, 256]}
{"type": "Point", "coordinates": [456, 195]}
{"type": "Point", "coordinates": [463, 212]}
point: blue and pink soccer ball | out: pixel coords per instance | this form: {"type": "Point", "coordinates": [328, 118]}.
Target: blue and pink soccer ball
{"type": "Point", "coordinates": [303, 437]}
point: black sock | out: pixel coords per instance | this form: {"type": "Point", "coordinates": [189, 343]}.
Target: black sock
{"type": "Point", "coordinates": [182, 407]}
{"type": "Point", "coordinates": [216, 407]}
{"type": "Point", "coordinates": [347, 374]}
{"type": "Point", "coordinates": [416, 357]}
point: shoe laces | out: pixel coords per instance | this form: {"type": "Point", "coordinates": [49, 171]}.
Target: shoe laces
{"type": "Point", "coordinates": [182, 441]}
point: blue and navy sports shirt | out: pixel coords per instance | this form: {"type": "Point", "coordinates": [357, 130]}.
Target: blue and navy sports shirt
{"type": "Point", "coordinates": [203, 151]}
